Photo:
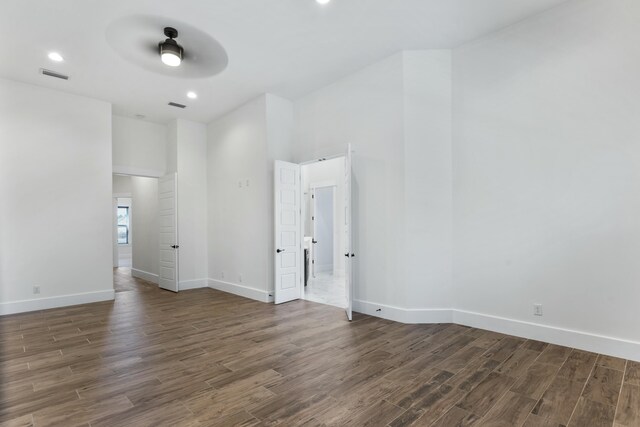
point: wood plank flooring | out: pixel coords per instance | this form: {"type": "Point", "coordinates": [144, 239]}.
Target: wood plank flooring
{"type": "Point", "coordinates": [206, 358]}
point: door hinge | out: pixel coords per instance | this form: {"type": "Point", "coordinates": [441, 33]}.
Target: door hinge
{"type": "Point", "coordinates": [313, 218]}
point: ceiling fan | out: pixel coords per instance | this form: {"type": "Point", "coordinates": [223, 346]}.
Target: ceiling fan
{"type": "Point", "coordinates": [135, 39]}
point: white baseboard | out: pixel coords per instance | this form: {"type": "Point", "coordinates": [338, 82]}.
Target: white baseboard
{"type": "Point", "coordinates": [141, 274]}
{"type": "Point", "coordinates": [243, 291]}
{"type": "Point", "coordinates": [611, 346]}
{"type": "Point", "coordinates": [403, 315]}
{"type": "Point", "coordinates": [55, 302]}
{"type": "Point", "coordinates": [193, 284]}
{"type": "Point", "coordinates": [566, 337]}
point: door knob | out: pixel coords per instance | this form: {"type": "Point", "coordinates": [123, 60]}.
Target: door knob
{"type": "Point", "coordinates": [175, 246]}
{"type": "Point", "coordinates": [279, 250]}
{"type": "Point", "coordinates": [314, 241]}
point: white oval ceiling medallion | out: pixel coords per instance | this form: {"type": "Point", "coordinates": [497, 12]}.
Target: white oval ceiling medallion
{"type": "Point", "coordinates": [135, 38]}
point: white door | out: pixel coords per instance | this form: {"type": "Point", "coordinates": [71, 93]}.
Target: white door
{"type": "Point", "coordinates": [288, 268]}
{"type": "Point", "coordinates": [348, 225]}
{"type": "Point", "coordinates": [314, 233]}
{"type": "Point", "coordinates": [168, 241]}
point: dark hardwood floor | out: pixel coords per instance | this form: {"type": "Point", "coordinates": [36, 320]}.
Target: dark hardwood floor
{"type": "Point", "coordinates": [206, 358]}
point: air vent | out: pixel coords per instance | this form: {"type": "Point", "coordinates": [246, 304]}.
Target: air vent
{"type": "Point", "coordinates": [175, 104]}
{"type": "Point", "coordinates": [50, 73]}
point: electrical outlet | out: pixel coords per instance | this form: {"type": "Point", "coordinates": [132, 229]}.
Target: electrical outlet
{"type": "Point", "coordinates": [537, 309]}
{"type": "Point", "coordinates": [36, 290]}
{"type": "Point", "coordinates": [240, 278]}
{"type": "Point", "coordinates": [247, 183]}
{"type": "Point", "coordinates": [222, 275]}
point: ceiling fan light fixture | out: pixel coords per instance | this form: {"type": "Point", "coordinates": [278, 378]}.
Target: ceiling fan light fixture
{"type": "Point", "coordinates": [170, 51]}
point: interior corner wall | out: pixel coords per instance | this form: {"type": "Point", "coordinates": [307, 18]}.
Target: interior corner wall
{"type": "Point", "coordinates": [139, 147]}
{"type": "Point", "coordinates": [239, 218]}
{"type": "Point", "coordinates": [428, 179]}
{"type": "Point", "coordinates": [366, 110]}
{"type": "Point", "coordinates": [546, 176]}
{"type": "Point", "coordinates": [145, 225]}
{"type": "Point", "coordinates": [56, 206]}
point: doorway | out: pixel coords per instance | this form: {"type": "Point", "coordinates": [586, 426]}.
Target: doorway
{"type": "Point", "coordinates": [323, 193]}
{"type": "Point", "coordinates": [302, 269]}
{"type": "Point", "coordinates": [145, 231]}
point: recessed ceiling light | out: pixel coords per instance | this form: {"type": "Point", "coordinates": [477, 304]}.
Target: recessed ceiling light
{"type": "Point", "coordinates": [323, 1]}
{"type": "Point", "coordinates": [55, 56]}
{"type": "Point", "coordinates": [170, 50]}
{"type": "Point", "coordinates": [192, 95]}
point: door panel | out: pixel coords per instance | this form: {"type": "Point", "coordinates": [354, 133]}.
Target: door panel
{"type": "Point", "coordinates": [348, 243]}
{"type": "Point", "coordinates": [168, 241]}
{"type": "Point", "coordinates": [288, 267]}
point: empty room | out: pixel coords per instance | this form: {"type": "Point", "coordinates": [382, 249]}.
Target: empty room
{"type": "Point", "coordinates": [320, 213]}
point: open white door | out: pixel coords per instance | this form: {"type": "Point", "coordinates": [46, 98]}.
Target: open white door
{"type": "Point", "coordinates": [288, 268]}
{"type": "Point", "coordinates": [314, 233]}
{"type": "Point", "coordinates": [348, 244]}
{"type": "Point", "coordinates": [168, 241]}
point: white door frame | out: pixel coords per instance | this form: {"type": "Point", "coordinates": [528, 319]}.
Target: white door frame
{"type": "Point", "coordinates": [351, 225]}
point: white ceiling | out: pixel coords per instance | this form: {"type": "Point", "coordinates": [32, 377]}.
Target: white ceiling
{"type": "Point", "coordinates": [285, 47]}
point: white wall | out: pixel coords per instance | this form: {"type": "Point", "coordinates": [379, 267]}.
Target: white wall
{"type": "Point", "coordinates": [56, 205]}
{"type": "Point", "coordinates": [139, 147]}
{"type": "Point", "coordinates": [237, 186]}
{"type": "Point", "coordinates": [242, 147]}
{"type": "Point", "coordinates": [396, 114]}
{"type": "Point", "coordinates": [428, 178]}
{"type": "Point", "coordinates": [365, 109]}
{"type": "Point", "coordinates": [279, 134]}
{"type": "Point", "coordinates": [121, 184]}
{"type": "Point", "coordinates": [192, 203]}
{"type": "Point", "coordinates": [145, 224]}
{"type": "Point", "coordinates": [546, 170]}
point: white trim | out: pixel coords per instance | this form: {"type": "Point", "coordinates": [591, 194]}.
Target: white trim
{"type": "Point", "coordinates": [145, 275]}
{"type": "Point", "coordinates": [617, 347]}
{"type": "Point", "coordinates": [55, 302]}
{"type": "Point", "coordinates": [193, 284]}
{"type": "Point", "coordinates": [243, 291]}
{"type": "Point", "coordinates": [595, 343]}
{"type": "Point", "coordinates": [322, 184]}
{"type": "Point", "coordinates": [403, 315]}
{"type": "Point", "coordinates": [133, 171]}
{"type": "Point", "coordinates": [322, 159]}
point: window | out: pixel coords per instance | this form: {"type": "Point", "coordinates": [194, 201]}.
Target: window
{"type": "Point", "coordinates": [123, 225]}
